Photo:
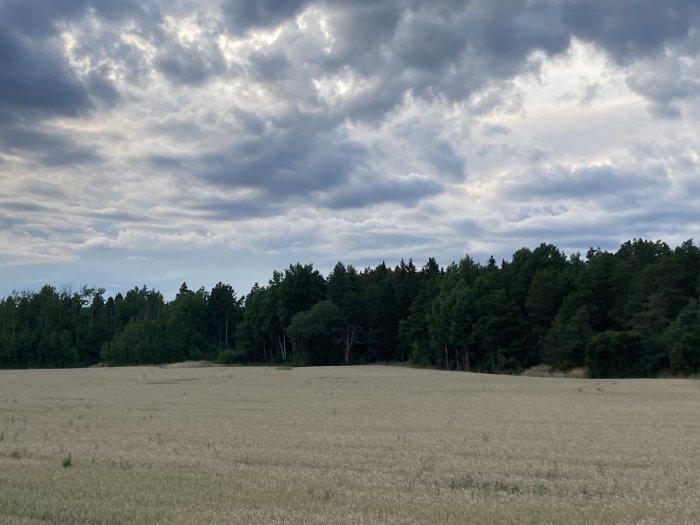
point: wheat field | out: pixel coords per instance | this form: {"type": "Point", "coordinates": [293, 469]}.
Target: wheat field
{"type": "Point", "coordinates": [371, 444]}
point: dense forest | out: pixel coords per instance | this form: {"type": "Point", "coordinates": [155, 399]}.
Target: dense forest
{"type": "Point", "coordinates": [632, 313]}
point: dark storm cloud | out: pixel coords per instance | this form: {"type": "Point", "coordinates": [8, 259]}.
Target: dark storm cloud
{"type": "Point", "coordinates": [38, 18]}
{"type": "Point", "coordinates": [446, 160]}
{"type": "Point", "coordinates": [428, 41]}
{"type": "Point", "coordinates": [191, 65]}
{"type": "Point", "coordinates": [361, 29]}
{"type": "Point", "coordinates": [508, 32]}
{"type": "Point", "coordinates": [664, 86]}
{"type": "Point", "coordinates": [444, 49]}
{"type": "Point", "coordinates": [311, 158]}
{"type": "Point", "coordinates": [225, 210]}
{"type": "Point", "coordinates": [37, 81]}
{"type": "Point", "coordinates": [291, 159]}
{"type": "Point", "coordinates": [38, 187]}
{"type": "Point", "coordinates": [437, 50]}
{"type": "Point", "coordinates": [604, 183]}
{"type": "Point", "coordinates": [20, 206]}
{"type": "Point", "coordinates": [115, 216]}
{"type": "Point", "coordinates": [35, 76]}
{"type": "Point", "coordinates": [666, 221]}
{"type": "Point", "coordinates": [48, 148]}
{"type": "Point", "coordinates": [451, 49]}
{"type": "Point", "coordinates": [363, 193]}
{"type": "Point", "coordinates": [470, 227]}
{"type": "Point", "coordinates": [101, 217]}
{"type": "Point", "coordinates": [167, 162]}
{"type": "Point", "coordinates": [269, 67]}
{"type": "Point", "coordinates": [287, 163]}
{"type": "Point", "coordinates": [630, 29]}
{"type": "Point", "coordinates": [244, 15]}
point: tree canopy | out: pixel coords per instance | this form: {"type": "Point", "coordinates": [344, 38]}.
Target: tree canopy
{"type": "Point", "coordinates": [630, 313]}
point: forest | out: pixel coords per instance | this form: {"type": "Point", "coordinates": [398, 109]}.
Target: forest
{"type": "Point", "coordinates": [632, 313]}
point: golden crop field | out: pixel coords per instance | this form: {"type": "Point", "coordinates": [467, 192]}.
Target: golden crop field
{"type": "Point", "coordinates": [372, 444]}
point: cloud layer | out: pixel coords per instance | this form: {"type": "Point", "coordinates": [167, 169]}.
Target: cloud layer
{"type": "Point", "coordinates": [243, 132]}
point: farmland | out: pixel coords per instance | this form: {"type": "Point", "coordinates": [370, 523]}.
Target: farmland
{"type": "Point", "coordinates": [370, 444]}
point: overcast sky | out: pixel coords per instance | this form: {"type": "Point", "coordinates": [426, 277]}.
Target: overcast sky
{"type": "Point", "coordinates": [155, 142]}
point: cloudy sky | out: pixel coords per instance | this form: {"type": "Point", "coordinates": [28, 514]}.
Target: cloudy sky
{"type": "Point", "coordinates": [155, 142]}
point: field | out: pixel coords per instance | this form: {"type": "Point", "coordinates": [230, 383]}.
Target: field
{"type": "Point", "coordinates": [344, 445]}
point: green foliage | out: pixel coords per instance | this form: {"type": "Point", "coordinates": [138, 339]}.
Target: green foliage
{"type": "Point", "coordinates": [259, 326]}
{"type": "Point", "coordinates": [141, 342]}
{"type": "Point", "coordinates": [685, 354]}
{"type": "Point", "coordinates": [224, 312]}
{"type": "Point", "coordinates": [615, 354]}
{"type": "Point", "coordinates": [683, 336]}
{"type": "Point", "coordinates": [565, 345]}
{"type": "Point", "coordinates": [343, 286]}
{"type": "Point", "coordinates": [632, 312]}
{"type": "Point", "coordinates": [185, 323]}
{"type": "Point", "coordinates": [232, 357]}
{"type": "Point", "coordinates": [451, 321]}
{"type": "Point", "coordinates": [316, 333]}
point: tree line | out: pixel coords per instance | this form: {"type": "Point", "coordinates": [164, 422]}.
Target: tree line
{"type": "Point", "coordinates": [632, 313]}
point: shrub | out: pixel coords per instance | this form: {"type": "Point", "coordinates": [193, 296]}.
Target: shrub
{"type": "Point", "coordinates": [616, 354]}
{"type": "Point", "coordinates": [232, 357]}
{"type": "Point", "coordinates": [685, 354]}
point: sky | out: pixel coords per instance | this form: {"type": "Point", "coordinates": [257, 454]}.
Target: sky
{"type": "Point", "coordinates": [159, 142]}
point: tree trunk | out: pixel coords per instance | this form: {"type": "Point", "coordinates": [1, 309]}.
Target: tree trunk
{"type": "Point", "coordinates": [283, 347]}
{"type": "Point", "coordinates": [226, 333]}
{"type": "Point", "coordinates": [349, 339]}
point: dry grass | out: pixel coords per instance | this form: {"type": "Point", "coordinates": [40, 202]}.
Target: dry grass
{"type": "Point", "coordinates": [344, 445]}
